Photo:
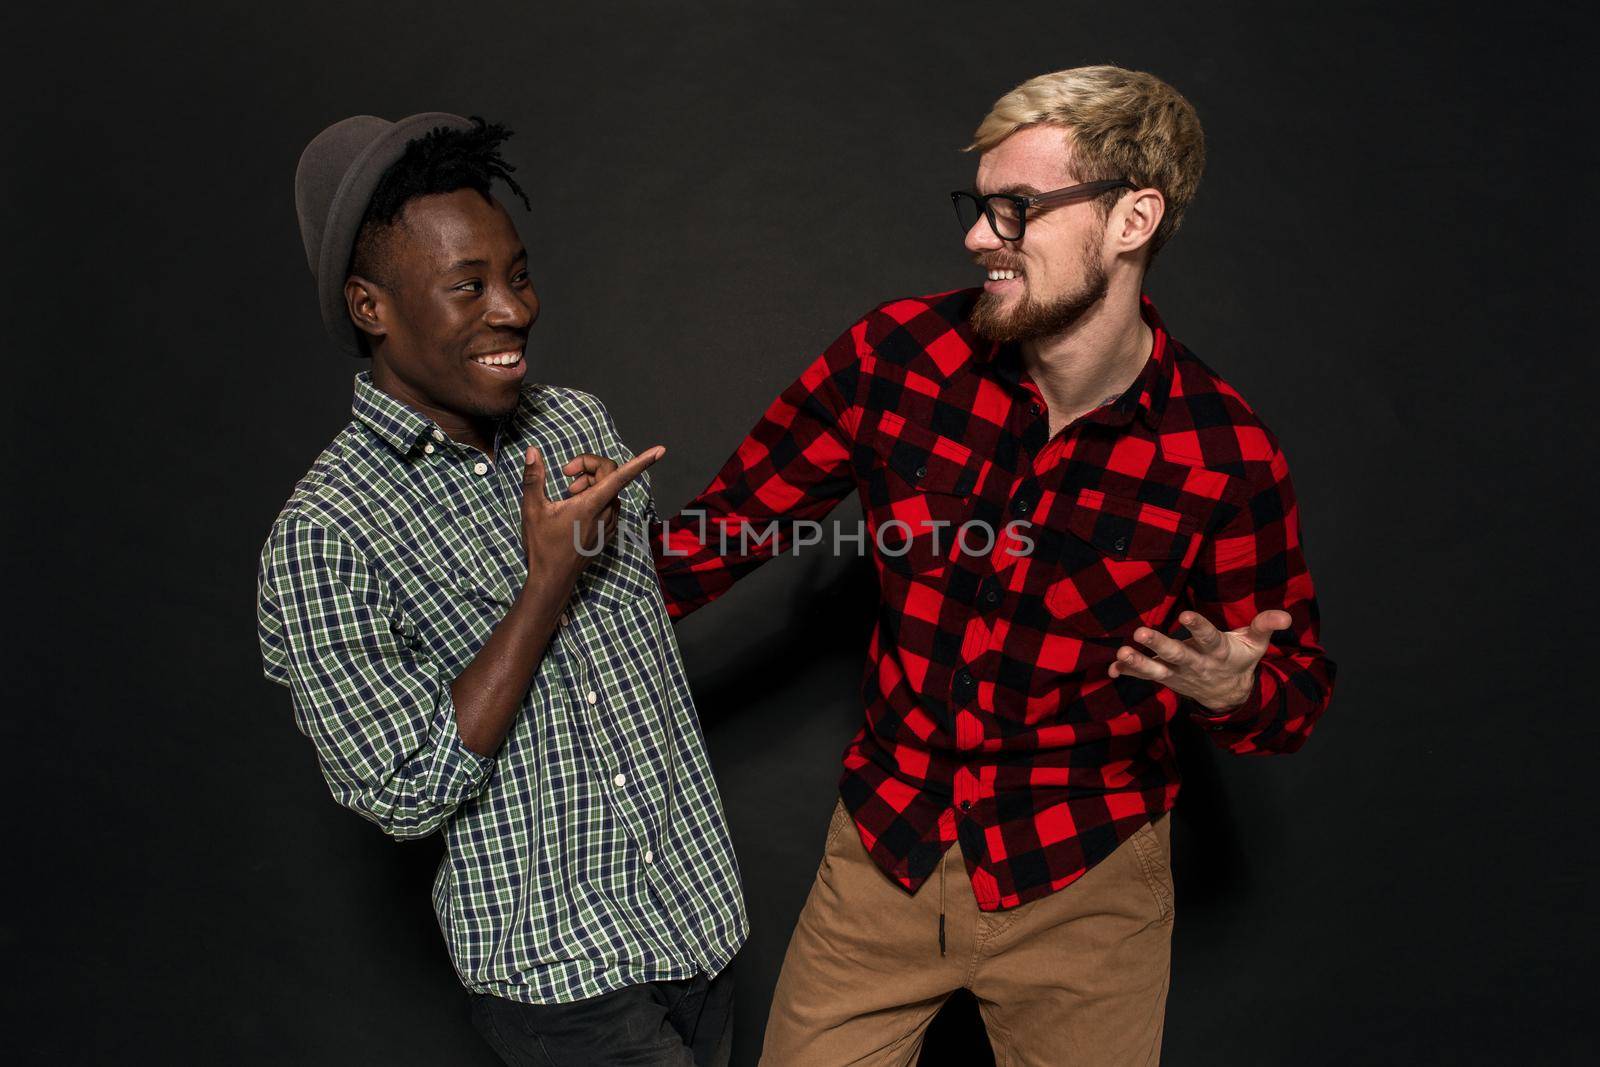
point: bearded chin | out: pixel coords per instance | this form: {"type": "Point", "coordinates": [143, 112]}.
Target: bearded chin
{"type": "Point", "coordinates": [1031, 320]}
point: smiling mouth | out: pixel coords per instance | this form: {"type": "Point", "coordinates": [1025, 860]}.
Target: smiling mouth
{"type": "Point", "coordinates": [501, 364]}
{"type": "Point", "coordinates": [1004, 275]}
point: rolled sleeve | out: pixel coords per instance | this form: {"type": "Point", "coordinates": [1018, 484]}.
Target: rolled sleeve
{"type": "Point", "coordinates": [1258, 563]}
{"type": "Point", "coordinates": [376, 706]}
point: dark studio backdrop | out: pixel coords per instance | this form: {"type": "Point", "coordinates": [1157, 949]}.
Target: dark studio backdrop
{"type": "Point", "coordinates": [1383, 258]}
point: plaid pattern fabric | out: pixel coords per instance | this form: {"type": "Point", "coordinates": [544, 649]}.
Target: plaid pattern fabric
{"type": "Point", "coordinates": [590, 853]}
{"type": "Point", "coordinates": [989, 715]}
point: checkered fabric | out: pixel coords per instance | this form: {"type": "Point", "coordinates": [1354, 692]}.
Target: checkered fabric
{"type": "Point", "coordinates": [590, 852]}
{"type": "Point", "coordinates": [989, 714]}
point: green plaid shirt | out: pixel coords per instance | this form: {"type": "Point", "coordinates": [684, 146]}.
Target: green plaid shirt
{"type": "Point", "coordinates": [590, 852]}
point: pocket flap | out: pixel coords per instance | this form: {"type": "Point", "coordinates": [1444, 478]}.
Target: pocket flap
{"type": "Point", "coordinates": [1122, 528]}
{"type": "Point", "coordinates": [931, 463]}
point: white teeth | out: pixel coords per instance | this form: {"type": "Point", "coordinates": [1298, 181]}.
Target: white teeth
{"type": "Point", "coordinates": [1002, 275]}
{"type": "Point", "coordinates": [502, 359]}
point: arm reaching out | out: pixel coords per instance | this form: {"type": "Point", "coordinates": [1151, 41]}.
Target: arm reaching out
{"type": "Point", "coordinates": [1261, 684]}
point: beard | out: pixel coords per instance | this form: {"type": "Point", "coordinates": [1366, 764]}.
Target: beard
{"type": "Point", "coordinates": [1031, 318]}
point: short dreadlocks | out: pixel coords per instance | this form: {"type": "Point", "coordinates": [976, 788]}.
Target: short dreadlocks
{"type": "Point", "coordinates": [440, 161]}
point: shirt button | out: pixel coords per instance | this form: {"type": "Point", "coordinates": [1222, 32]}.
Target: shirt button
{"type": "Point", "coordinates": [480, 467]}
{"type": "Point", "coordinates": [591, 696]}
{"type": "Point", "coordinates": [966, 805]}
{"type": "Point", "coordinates": [428, 449]}
{"type": "Point", "coordinates": [438, 434]}
{"type": "Point", "coordinates": [1033, 408]}
{"type": "Point", "coordinates": [922, 472]}
{"type": "Point", "coordinates": [1120, 543]}
{"type": "Point", "coordinates": [649, 857]}
{"type": "Point", "coordinates": [566, 618]}
{"type": "Point", "coordinates": [620, 780]}
{"type": "Point", "coordinates": [1022, 506]}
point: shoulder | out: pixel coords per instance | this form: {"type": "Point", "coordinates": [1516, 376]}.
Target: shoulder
{"type": "Point", "coordinates": [330, 503]}
{"type": "Point", "coordinates": [1209, 421]}
{"type": "Point", "coordinates": [902, 328]}
{"type": "Point", "coordinates": [564, 414]}
{"type": "Point", "coordinates": [905, 332]}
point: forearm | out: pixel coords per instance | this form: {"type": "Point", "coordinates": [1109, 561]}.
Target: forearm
{"type": "Point", "coordinates": [793, 466]}
{"type": "Point", "coordinates": [488, 693]}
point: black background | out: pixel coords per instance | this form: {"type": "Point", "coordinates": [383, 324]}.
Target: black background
{"type": "Point", "coordinates": [1384, 257]}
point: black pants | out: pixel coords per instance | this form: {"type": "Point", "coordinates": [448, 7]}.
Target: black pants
{"type": "Point", "coordinates": [683, 1023]}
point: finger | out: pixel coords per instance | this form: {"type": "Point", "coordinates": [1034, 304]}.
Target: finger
{"type": "Point", "coordinates": [606, 489]}
{"type": "Point", "coordinates": [1130, 661]}
{"type": "Point", "coordinates": [1202, 634]}
{"type": "Point", "coordinates": [589, 463]}
{"type": "Point", "coordinates": [1166, 648]}
{"type": "Point", "coordinates": [533, 475]}
{"type": "Point", "coordinates": [1264, 625]}
{"type": "Point", "coordinates": [579, 484]}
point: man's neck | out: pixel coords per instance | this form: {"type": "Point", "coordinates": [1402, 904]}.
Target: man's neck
{"type": "Point", "coordinates": [1092, 362]}
{"type": "Point", "coordinates": [475, 433]}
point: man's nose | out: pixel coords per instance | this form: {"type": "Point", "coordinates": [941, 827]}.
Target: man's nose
{"type": "Point", "coordinates": [981, 236]}
{"type": "Point", "coordinates": [511, 310]}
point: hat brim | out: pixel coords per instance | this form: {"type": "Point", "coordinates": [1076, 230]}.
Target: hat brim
{"type": "Point", "coordinates": [349, 207]}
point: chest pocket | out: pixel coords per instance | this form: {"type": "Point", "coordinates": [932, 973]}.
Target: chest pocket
{"type": "Point", "coordinates": [1122, 565]}
{"type": "Point", "coordinates": [919, 495]}
{"type": "Point", "coordinates": [624, 573]}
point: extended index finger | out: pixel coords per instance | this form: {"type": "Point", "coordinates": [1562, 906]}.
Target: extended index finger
{"type": "Point", "coordinates": [606, 489]}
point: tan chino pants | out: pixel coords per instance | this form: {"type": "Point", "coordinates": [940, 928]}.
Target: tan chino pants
{"type": "Point", "coordinates": [1074, 979]}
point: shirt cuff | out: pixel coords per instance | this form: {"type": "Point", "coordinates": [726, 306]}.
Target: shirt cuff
{"type": "Point", "coordinates": [1263, 693]}
{"type": "Point", "coordinates": [457, 773]}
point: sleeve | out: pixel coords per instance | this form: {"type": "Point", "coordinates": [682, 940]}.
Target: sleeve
{"type": "Point", "coordinates": [1256, 563]}
{"type": "Point", "coordinates": [378, 710]}
{"type": "Point", "coordinates": [793, 467]}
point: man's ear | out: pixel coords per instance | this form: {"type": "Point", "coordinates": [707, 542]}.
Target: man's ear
{"type": "Point", "coordinates": [368, 305]}
{"type": "Point", "coordinates": [1141, 211]}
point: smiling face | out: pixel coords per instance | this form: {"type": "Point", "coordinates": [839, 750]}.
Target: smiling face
{"type": "Point", "coordinates": [1056, 273]}
{"type": "Point", "coordinates": [448, 324]}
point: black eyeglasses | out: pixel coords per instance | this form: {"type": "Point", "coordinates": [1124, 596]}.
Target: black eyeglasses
{"type": "Point", "coordinates": [1008, 212]}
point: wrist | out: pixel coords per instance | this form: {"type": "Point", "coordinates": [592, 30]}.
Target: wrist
{"type": "Point", "coordinates": [545, 590]}
{"type": "Point", "coordinates": [1234, 700]}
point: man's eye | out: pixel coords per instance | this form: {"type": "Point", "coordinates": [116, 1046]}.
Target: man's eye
{"type": "Point", "coordinates": [520, 277]}
{"type": "Point", "coordinates": [471, 287]}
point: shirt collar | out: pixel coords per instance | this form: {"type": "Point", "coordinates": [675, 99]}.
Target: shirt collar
{"type": "Point", "coordinates": [400, 426]}
{"type": "Point", "coordinates": [1145, 398]}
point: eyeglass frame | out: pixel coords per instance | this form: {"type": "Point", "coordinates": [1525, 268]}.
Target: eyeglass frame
{"type": "Point", "coordinates": [1025, 202]}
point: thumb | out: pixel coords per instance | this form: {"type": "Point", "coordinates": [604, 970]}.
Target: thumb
{"type": "Point", "coordinates": [1263, 625]}
{"type": "Point", "coordinates": [533, 476]}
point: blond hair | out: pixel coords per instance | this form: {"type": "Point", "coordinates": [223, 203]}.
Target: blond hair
{"type": "Point", "coordinates": [1123, 124]}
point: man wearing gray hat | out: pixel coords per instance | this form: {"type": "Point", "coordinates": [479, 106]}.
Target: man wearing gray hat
{"type": "Point", "coordinates": [475, 644]}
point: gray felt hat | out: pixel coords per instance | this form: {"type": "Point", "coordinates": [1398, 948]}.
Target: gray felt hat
{"type": "Point", "coordinates": [338, 172]}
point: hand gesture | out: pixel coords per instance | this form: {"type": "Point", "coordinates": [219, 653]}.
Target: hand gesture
{"type": "Point", "coordinates": [1214, 668]}
{"type": "Point", "coordinates": [554, 530]}
{"type": "Point", "coordinates": [586, 469]}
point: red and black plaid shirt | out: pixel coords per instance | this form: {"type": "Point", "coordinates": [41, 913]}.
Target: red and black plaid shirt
{"type": "Point", "coordinates": [989, 714]}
